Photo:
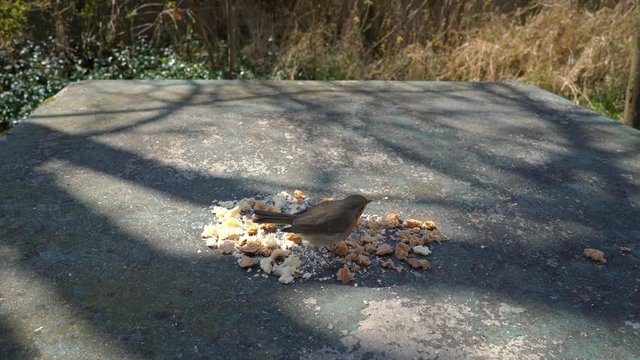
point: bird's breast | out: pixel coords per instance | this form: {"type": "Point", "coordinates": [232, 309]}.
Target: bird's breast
{"type": "Point", "coordinates": [323, 240]}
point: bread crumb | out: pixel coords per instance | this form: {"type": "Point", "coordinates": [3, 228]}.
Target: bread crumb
{"type": "Point", "coordinates": [345, 275]}
{"type": "Point", "coordinates": [363, 260]}
{"type": "Point", "coordinates": [292, 261]}
{"type": "Point", "coordinates": [625, 249]}
{"type": "Point", "coordinates": [269, 227]}
{"type": "Point", "coordinates": [393, 216]}
{"type": "Point", "coordinates": [437, 236]}
{"type": "Point", "coordinates": [252, 230]}
{"type": "Point", "coordinates": [277, 253]}
{"type": "Point", "coordinates": [299, 195]}
{"type": "Point", "coordinates": [350, 257]}
{"type": "Point", "coordinates": [266, 264]}
{"type": "Point", "coordinates": [429, 225]}
{"type": "Point", "coordinates": [341, 248]}
{"type": "Point", "coordinates": [370, 249]}
{"type": "Point", "coordinates": [388, 264]}
{"type": "Point", "coordinates": [264, 251]}
{"type": "Point", "coordinates": [426, 239]}
{"type": "Point", "coordinates": [393, 220]}
{"type": "Point", "coordinates": [287, 269]}
{"type": "Point", "coordinates": [251, 247]}
{"type": "Point", "coordinates": [209, 231]}
{"type": "Point", "coordinates": [384, 249]}
{"type": "Point", "coordinates": [297, 239]}
{"type": "Point", "coordinates": [421, 250]}
{"type": "Point", "coordinates": [270, 241]}
{"type": "Point", "coordinates": [402, 251]}
{"type": "Point", "coordinates": [220, 212]}
{"type": "Point", "coordinates": [231, 223]}
{"type": "Point", "coordinates": [406, 236]}
{"type": "Point", "coordinates": [595, 255]}
{"type": "Point", "coordinates": [227, 246]}
{"type": "Point", "coordinates": [326, 199]}
{"type": "Point", "coordinates": [229, 232]}
{"type": "Point", "coordinates": [248, 221]}
{"type": "Point", "coordinates": [234, 212]}
{"type": "Point", "coordinates": [374, 225]}
{"type": "Point", "coordinates": [416, 240]}
{"type": "Point", "coordinates": [413, 262]}
{"type": "Point", "coordinates": [366, 239]}
{"type": "Point", "coordinates": [286, 278]}
{"type": "Point", "coordinates": [212, 242]}
{"type": "Point", "coordinates": [412, 223]}
{"type": "Point", "coordinates": [247, 262]}
{"type": "Point", "coordinates": [234, 232]}
{"type": "Point", "coordinates": [355, 248]}
{"type": "Point", "coordinates": [418, 263]}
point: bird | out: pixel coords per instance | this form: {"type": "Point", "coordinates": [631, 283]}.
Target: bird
{"type": "Point", "coordinates": [322, 225]}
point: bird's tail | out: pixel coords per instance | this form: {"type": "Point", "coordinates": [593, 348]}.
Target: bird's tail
{"type": "Point", "coordinates": [272, 217]}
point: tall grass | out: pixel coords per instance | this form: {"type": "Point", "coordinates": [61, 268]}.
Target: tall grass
{"type": "Point", "coordinates": [568, 47]}
{"type": "Point", "coordinates": [579, 49]}
{"type": "Point", "coordinates": [563, 47]}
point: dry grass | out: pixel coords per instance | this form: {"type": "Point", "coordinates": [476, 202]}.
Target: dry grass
{"type": "Point", "coordinates": [576, 48]}
{"type": "Point", "coordinates": [561, 46]}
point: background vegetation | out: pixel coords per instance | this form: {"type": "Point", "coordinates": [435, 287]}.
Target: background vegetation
{"type": "Point", "coordinates": [579, 49]}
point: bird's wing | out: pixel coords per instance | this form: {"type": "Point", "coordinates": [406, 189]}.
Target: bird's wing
{"type": "Point", "coordinates": [301, 211]}
{"type": "Point", "coordinates": [322, 222]}
{"type": "Point", "coordinates": [304, 229]}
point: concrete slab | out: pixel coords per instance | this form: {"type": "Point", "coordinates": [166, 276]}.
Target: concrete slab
{"type": "Point", "coordinates": [105, 189]}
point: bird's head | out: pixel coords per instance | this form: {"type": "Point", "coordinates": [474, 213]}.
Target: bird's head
{"type": "Point", "coordinates": [357, 201]}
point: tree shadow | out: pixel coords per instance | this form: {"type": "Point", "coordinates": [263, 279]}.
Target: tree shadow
{"type": "Point", "coordinates": [143, 289]}
{"type": "Point", "coordinates": [13, 346]}
{"type": "Point", "coordinates": [536, 205]}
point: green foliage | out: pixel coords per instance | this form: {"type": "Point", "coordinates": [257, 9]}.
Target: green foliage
{"type": "Point", "coordinates": [610, 104]}
{"type": "Point", "coordinates": [144, 62]}
{"type": "Point", "coordinates": [531, 41]}
{"type": "Point", "coordinates": [33, 73]}
{"type": "Point", "coordinates": [13, 20]}
{"type": "Point", "coordinates": [27, 80]}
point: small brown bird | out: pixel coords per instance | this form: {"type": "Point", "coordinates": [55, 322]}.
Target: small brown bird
{"type": "Point", "coordinates": [322, 225]}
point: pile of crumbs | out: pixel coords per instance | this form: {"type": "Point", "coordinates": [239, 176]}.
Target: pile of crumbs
{"type": "Point", "coordinates": [595, 255]}
{"type": "Point", "coordinates": [388, 242]}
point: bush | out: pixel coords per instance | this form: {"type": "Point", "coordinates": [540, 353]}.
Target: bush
{"type": "Point", "coordinates": [577, 49]}
{"type": "Point", "coordinates": [31, 72]}
{"type": "Point", "coordinates": [26, 81]}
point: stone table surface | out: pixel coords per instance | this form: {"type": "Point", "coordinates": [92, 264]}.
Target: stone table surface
{"type": "Point", "coordinates": [106, 187]}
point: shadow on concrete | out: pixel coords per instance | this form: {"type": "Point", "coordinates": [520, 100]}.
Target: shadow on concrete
{"type": "Point", "coordinates": [141, 300]}
{"type": "Point", "coordinates": [581, 195]}
{"type": "Point", "coordinates": [14, 346]}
